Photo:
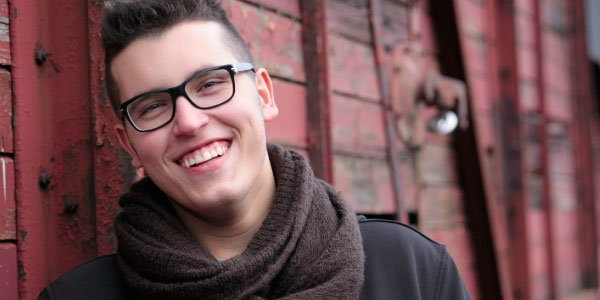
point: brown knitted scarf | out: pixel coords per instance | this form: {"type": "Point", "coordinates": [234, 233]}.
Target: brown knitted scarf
{"type": "Point", "coordinates": [308, 247]}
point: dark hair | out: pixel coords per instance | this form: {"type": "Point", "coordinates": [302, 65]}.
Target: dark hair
{"type": "Point", "coordinates": [126, 21]}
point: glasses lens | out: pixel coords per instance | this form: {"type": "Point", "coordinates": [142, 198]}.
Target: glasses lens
{"type": "Point", "coordinates": [151, 111]}
{"type": "Point", "coordinates": [210, 89]}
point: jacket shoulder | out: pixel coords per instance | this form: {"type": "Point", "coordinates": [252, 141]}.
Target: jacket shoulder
{"type": "Point", "coordinates": [95, 279]}
{"type": "Point", "coordinates": [402, 262]}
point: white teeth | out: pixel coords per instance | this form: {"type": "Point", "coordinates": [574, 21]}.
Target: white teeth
{"type": "Point", "coordinates": [198, 158]}
{"type": "Point", "coordinates": [206, 156]}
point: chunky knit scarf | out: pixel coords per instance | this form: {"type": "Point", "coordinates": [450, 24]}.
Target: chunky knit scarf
{"type": "Point", "coordinates": [308, 247]}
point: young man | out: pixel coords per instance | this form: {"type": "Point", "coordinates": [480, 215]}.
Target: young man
{"type": "Point", "coordinates": [223, 215]}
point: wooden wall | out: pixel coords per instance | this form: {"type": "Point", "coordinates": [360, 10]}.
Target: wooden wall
{"type": "Point", "coordinates": [509, 196]}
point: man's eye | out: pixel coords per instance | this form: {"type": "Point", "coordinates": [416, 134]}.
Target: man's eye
{"type": "Point", "coordinates": [208, 85]}
{"type": "Point", "coordinates": [152, 108]}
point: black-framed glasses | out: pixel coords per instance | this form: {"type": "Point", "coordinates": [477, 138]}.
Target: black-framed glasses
{"type": "Point", "coordinates": [206, 89]}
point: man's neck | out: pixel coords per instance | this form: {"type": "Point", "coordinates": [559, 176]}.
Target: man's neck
{"type": "Point", "coordinates": [227, 239]}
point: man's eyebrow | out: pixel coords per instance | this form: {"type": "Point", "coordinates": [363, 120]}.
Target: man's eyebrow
{"type": "Point", "coordinates": [200, 69]}
{"type": "Point", "coordinates": [197, 70]}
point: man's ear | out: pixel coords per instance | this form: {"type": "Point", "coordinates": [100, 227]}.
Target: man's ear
{"type": "Point", "coordinates": [126, 144]}
{"type": "Point", "coordinates": [265, 91]}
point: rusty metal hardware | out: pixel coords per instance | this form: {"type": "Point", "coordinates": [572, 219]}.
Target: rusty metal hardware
{"type": "Point", "coordinates": [41, 56]}
{"type": "Point", "coordinates": [415, 86]}
{"type": "Point", "coordinates": [45, 179]}
{"type": "Point", "coordinates": [71, 204]}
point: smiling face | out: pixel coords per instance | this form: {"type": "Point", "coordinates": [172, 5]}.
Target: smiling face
{"type": "Point", "coordinates": [203, 159]}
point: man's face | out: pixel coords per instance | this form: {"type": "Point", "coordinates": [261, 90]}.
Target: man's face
{"type": "Point", "coordinates": [236, 127]}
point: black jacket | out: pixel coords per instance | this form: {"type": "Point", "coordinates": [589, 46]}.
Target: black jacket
{"type": "Point", "coordinates": [400, 263]}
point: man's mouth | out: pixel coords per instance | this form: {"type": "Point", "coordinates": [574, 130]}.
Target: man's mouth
{"type": "Point", "coordinates": [204, 154]}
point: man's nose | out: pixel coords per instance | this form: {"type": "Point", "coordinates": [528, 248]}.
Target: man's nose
{"type": "Point", "coordinates": [188, 119]}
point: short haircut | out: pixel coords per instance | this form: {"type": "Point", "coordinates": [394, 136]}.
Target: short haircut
{"type": "Point", "coordinates": [126, 21]}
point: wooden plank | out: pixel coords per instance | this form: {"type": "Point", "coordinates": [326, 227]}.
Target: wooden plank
{"type": "Point", "coordinates": [478, 52]}
{"type": "Point", "coordinates": [512, 172]}
{"type": "Point", "coordinates": [561, 160]}
{"type": "Point", "coordinates": [526, 63]}
{"type": "Point", "coordinates": [584, 115]}
{"type": "Point", "coordinates": [352, 69]}
{"type": "Point", "coordinates": [441, 207]}
{"type": "Point", "coordinates": [289, 7]}
{"type": "Point", "coordinates": [480, 90]}
{"type": "Point", "coordinates": [567, 259]}
{"type": "Point", "coordinates": [289, 128]}
{"type": "Point", "coordinates": [384, 70]}
{"type": "Point", "coordinates": [6, 130]}
{"type": "Point", "coordinates": [525, 6]}
{"type": "Point", "coordinates": [473, 16]}
{"type": "Point", "coordinates": [532, 156]}
{"type": "Point", "coordinates": [558, 106]}
{"type": "Point", "coordinates": [9, 287]}
{"type": "Point", "coordinates": [563, 192]}
{"type": "Point", "coordinates": [555, 15]}
{"type": "Point", "coordinates": [274, 40]}
{"type": "Point", "coordinates": [8, 216]}
{"type": "Point", "coordinates": [365, 183]}
{"type": "Point", "coordinates": [317, 88]}
{"type": "Point", "coordinates": [349, 18]}
{"type": "Point", "coordinates": [437, 165]}
{"type": "Point", "coordinates": [526, 31]}
{"type": "Point", "coordinates": [549, 279]}
{"type": "Point", "coordinates": [5, 57]}
{"type": "Point", "coordinates": [394, 24]}
{"type": "Point", "coordinates": [357, 125]}
{"type": "Point", "coordinates": [528, 93]}
{"type": "Point", "coordinates": [487, 236]}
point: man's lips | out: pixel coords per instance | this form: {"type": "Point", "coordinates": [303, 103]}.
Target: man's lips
{"type": "Point", "coordinates": [204, 153]}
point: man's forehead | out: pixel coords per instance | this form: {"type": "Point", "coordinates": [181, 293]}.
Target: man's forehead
{"type": "Point", "coordinates": [165, 60]}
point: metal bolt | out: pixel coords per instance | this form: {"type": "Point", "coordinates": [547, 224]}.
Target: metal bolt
{"type": "Point", "coordinates": [70, 204]}
{"type": "Point", "coordinates": [40, 56]}
{"type": "Point", "coordinates": [45, 180]}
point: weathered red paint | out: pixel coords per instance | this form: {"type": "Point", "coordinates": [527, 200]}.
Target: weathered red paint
{"type": "Point", "coordinates": [548, 272]}
{"type": "Point", "coordinates": [9, 288]}
{"type": "Point", "coordinates": [113, 173]}
{"type": "Point", "coordinates": [349, 19]}
{"type": "Point", "coordinates": [262, 29]}
{"type": "Point", "coordinates": [8, 224]}
{"type": "Point", "coordinates": [508, 111]}
{"type": "Point", "coordinates": [315, 45]}
{"type": "Point", "coordinates": [365, 182]}
{"type": "Point", "coordinates": [291, 8]}
{"type": "Point", "coordinates": [344, 105]}
{"type": "Point", "coordinates": [352, 69]}
{"type": "Point", "coordinates": [52, 135]}
{"type": "Point", "coordinates": [5, 57]}
{"type": "Point", "coordinates": [6, 130]}
{"type": "Point", "coordinates": [586, 197]}
{"type": "Point", "coordinates": [385, 83]}
{"type": "Point", "coordinates": [289, 128]}
{"type": "Point", "coordinates": [475, 49]}
{"type": "Point", "coordinates": [442, 206]}
{"type": "Point", "coordinates": [357, 126]}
